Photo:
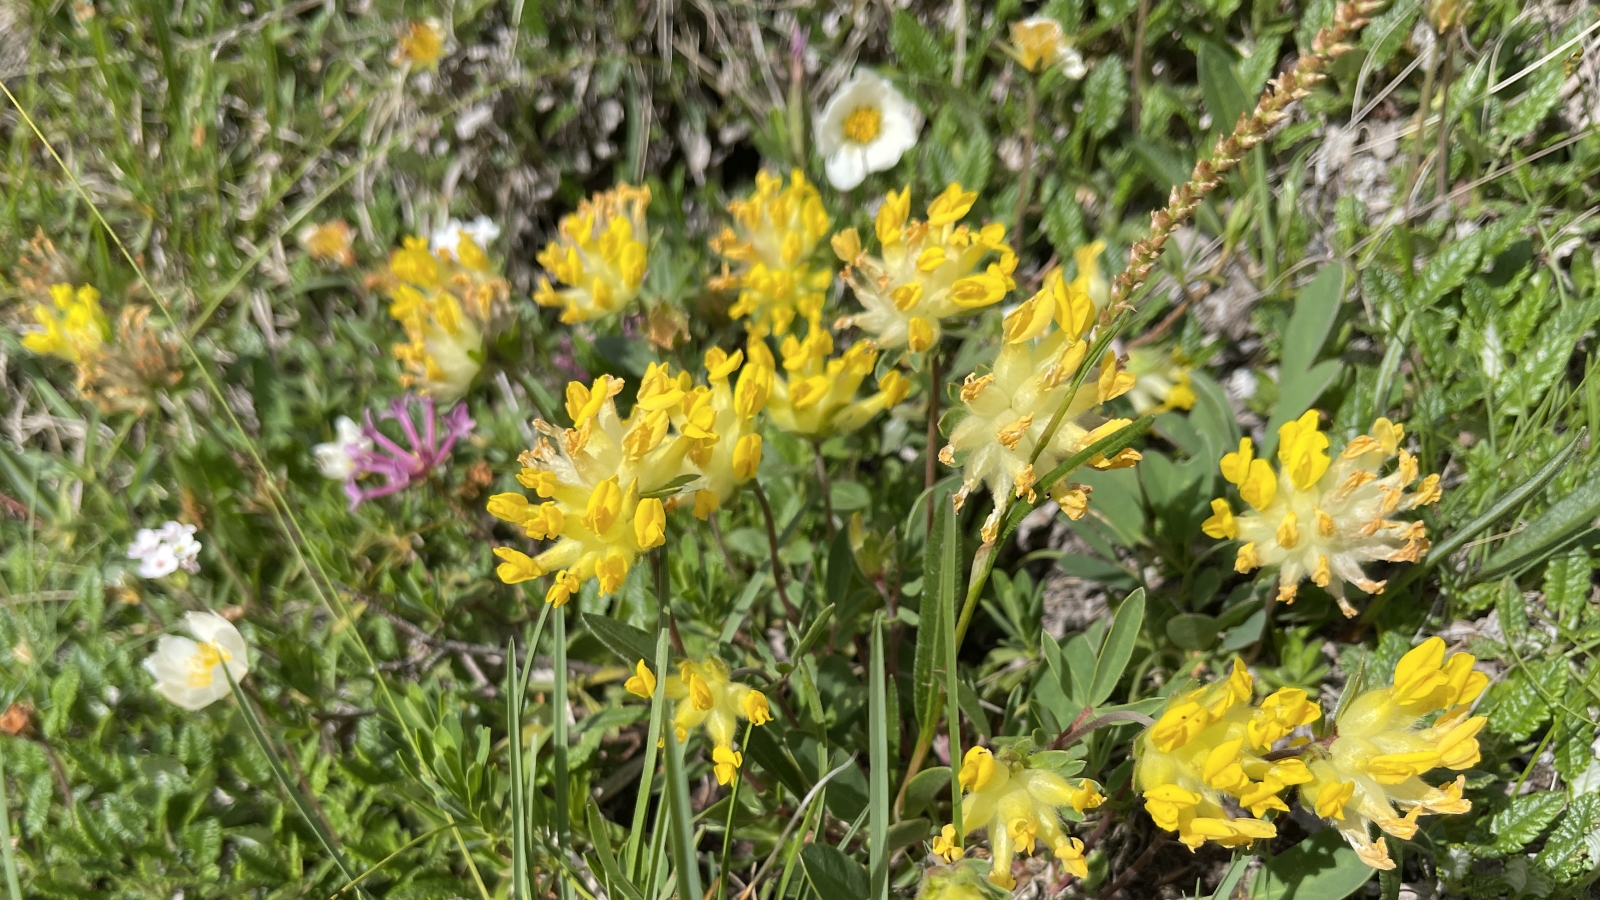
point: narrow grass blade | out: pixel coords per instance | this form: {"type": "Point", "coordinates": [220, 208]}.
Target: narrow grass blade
{"type": "Point", "coordinates": [633, 860]}
{"type": "Point", "coordinates": [616, 881]}
{"type": "Point", "coordinates": [521, 885]}
{"type": "Point", "coordinates": [558, 741]}
{"type": "Point", "coordinates": [949, 572]}
{"type": "Point", "coordinates": [680, 825]}
{"type": "Point", "coordinates": [878, 764]}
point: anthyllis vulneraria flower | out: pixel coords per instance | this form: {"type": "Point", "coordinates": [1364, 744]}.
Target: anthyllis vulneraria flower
{"type": "Point", "coordinates": [1371, 773]}
{"type": "Point", "coordinates": [1020, 802]}
{"type": "Point", "coordinates": [599, 254]}
{"type": "Point", "coordinates": [1323, 517]}
{"type": "Point", "coordinates": [72, 326]}
{"type": "Point", "coordinates": [721, 425]}
{"type": "Point", "coordinates": [866, 127]}
{"type": "Point", "coordinates": [1160, 380]}
{"type": "Point", "coordinates": [420, 45]}
{"type": "Point", "coordinates": [449, 303]}
{"type": "Point", "coordinates": [1090, 280]}
{"type": "Point", "coordinates": [190, 672]}
{"type": "Point", "coordinates": [1040, 43]}
{"type": "Point", "coordinates": [928, 271]}
{"type": "Point", "coordinates": [329, 242]}
{"type": "Point", "coordinates": [400, 467]}
{"type": "Point", "coordinates": [594, 484]}
{"type": "Point", "coordinates": [1006, 410]}
{"type": "Point", "coordinates": [816, 395]}
{"type": "Point", "coordinates": [965, 879]}
{"type": "Point", "coordinates": [1207, 746]}
{"type": "Point", "coordinates": [772, 245]}
{"type": "Point", "coordinates": [704, 696]}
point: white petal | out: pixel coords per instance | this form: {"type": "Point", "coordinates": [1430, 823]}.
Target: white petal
{"type": "Point", "coordinates": [210, 628]}
{"type": "Point", "coordinates": [898, 136]}
{"type": "Point", "coordinates": [864, 88]}
{"type": "Point", "coordinates": [847, 167]}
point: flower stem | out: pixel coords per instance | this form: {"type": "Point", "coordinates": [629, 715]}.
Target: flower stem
{"type": "Point", "coordinates": [777, 565]}
{"type": "Point", "coordinates": [931, 472]}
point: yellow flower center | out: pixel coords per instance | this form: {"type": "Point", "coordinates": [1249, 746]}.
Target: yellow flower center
{"type": "Point", "coordinates": [863, 124]}
{"type": "Point", "coordinates": [203, 664]}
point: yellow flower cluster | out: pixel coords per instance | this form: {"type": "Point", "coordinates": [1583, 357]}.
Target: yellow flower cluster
{"type": "Point", "coordinates": [1160, 381]}
{"type": "Point", "coordinates": [598, 479]}
{"type": "Point", "coordinates": [1017, 802]}
{"type": "Point", "coordinates": [1321, 517]}
{"type": "Point", "coordinates": [704, 696]}
{"type": "Point", "coordinates": [599, 253]}
{"type": "Point", "coordinates": [446, 302]}
{"type": "Point", "coordinates": [74, 327]}
{"type": "Point", "coordinates": [1006, 410]}
{"type": "Point", "coordinates": [817, 396]}
{"type": "Point", "coordinates": [1208, 747]}
{"type": "Point", "coordinates": [776, 235]}
{"type": "Point", "coordinates": [928, 271]}
{"type": "Point", "coordinates": [1373, 770]}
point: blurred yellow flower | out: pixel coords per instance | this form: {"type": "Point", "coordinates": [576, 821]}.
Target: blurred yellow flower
{"type": "Point", "coordinates": [599, 253]}
{"type": "Point", "coordinates": [1018, 804]}
{"type": "Point", "coordinates": [422, 44]}
{"type": "Point", "coordinates": [929, 270]}
{"type": "Point", "coordinates": [73, 326]}
{"type": "Point", "coordinates": [329, 241]}
{"type": "Point", "coordinates": [1321, 517]}
{"type": "Point", "coordinates": [772, 247]}
{"type": "Point", "coordinates": [703, 696]}
{"type": "Point", "coordinates": [447, 303]}
{"type": "Point", "coordinates": [816, 396]}
{"type": "Point", "coordinates": [1005, 411]}
{"type": "Point", "coordinates": [1040, 43]}
{"type": "Point", "coordinates": [1371, 772]}
{"type": "Point", "coordinates": [1160, 381]}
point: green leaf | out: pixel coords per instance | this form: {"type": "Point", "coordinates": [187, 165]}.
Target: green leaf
{"type": "Point", "coordinates": [1515, 708]}
{"type": "Point", "coordinates": [1192, 631]}
{"type": "Point", "coordinates": [849, 496]}
{"type": "Point", "coordinates": [878, 764]}
{"type": "Point", "coordinates": [1296, 397]}
{"type": "Point", "coordinates": [627, 642]}
{"type": "Point", "coordinates": [1544, 360]}
{"type": "Point", "coordinates": [905, 833]}
{"type": "Point", "coordinates": [1524, 820]}
{"type": "Point", "coordinates": [1315, 310]}
{"type": "Point", "coordinates": [1118, 648]}
{"type": "Point", "coordinates": [1566, 584]}
{"type": "Point", "coordinates": [924, 787]}
{"type": "Point", "coordinates": [1224, 94]}
{"type": "Point", "coordinates": [1213, 416]}
{"type": "Point", "coordinates": [1542, 95]}
{"type": "Point", "coordinates": [1561, 520]}
{"type": "Point", "coordinates": [833, 874]}
{"type": "Point", "coordinates": [924, 681]}
{"type": "Point", "coordinates": [1445, 271]}
{"type": "Point", "coordinates": [1321, 867]}
{"type": "Point", "coordinates": [1105, 96]}
{"type": "Point", "coordinates": [1566, 851]}
{"type": "Point", "coordinates": [918, 50]}
{"type": "Point", "coordinates": [1081, 662]}
{"type": "Point", "coordinates": [600, 836]}
{"type": "Point", "coordinates": [671, 487]}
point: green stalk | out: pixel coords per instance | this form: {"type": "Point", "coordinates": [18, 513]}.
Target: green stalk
{"type": "Point", "coordinates": [10, 861]}
{"type": "Point", "coordinates": [878, 765]}
{"type": "Point", "coordinates": [301, 804]}
{"type": "Point", "coordinates": [727, 831]}
{"type": "Point", "coordinates": [634, 860]}
{"type": "Point", "coordinates": [521, 884]}
{"type": "Point", "coordinates": [948, 573]}
{"type": "Point", "coordinates": [558, 741]}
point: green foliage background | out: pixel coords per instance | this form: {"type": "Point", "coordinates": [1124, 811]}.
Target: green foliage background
{"type": "Point", "coordinates": [207, 133]}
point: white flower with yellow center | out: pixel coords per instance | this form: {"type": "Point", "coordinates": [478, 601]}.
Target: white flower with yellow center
{"type": "Point", "coordinates": [1371, 774]}
{"type": "Point", "coordinates": [1017, 803]}
{"type": "Point", "coordinates": [929, 270]}
{"type": "Point", "coordinates": [1006, 410]}
{"type": "Point", "coordinates": [866, 127]}
{"type": "Point", "coordinates": [1322, 518]}
{"type": "Point", "coordinates": [772, 247]}
{"type": "Point", "coordinates": [189, 672]}
{"type": "Point", "coordinates": [599, 253]}
{"type": "Point", "coordinates": [1041, 43]}
{"type": "Point", "coordinates": [816, 395]}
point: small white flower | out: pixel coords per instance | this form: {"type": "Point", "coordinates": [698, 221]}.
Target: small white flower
{"type": "Point", "coordinates": [189, 672]}
{"type": "Point", "coordinates": [162, 551]}
{"type": "Point", "coordinates": [334, 459]}
{"type": "Point", "coordinates": [482, 230]}
{"type": "Point", "coordinates": [866, 127]}
{"type": "Point", "coordinates": [160, 563]}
